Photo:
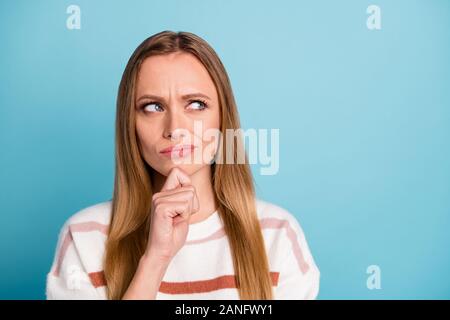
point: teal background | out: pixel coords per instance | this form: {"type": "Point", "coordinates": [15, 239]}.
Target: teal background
{"type": "Point", "coordinates": [363, 115]}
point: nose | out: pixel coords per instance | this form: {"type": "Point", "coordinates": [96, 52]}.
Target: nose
{"type": "Point", "coordinates": [174, 129]}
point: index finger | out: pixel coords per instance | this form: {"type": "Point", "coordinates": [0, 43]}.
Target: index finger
{"type": "Point", "coordinates": [176, 178]}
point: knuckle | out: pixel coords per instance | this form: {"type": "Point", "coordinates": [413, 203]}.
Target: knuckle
{"type": "Point", "coordinates": [157, 202]}
{"type": "Point", "coordinates": [161, 208]}
{"type": "Point", "coordinates": [176, 170]}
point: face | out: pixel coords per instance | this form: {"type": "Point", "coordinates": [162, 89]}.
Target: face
{"type": "Point", "coordinates": [177, 113]}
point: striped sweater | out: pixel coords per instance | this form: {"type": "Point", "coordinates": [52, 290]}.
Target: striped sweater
{"type": "Point", "coordinates": [201, 269]}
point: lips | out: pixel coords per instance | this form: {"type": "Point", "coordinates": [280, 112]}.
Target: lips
{"type": "Point", "coordinates": [177, 151]}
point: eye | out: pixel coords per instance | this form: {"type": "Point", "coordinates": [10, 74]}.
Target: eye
{"type": "Point", "coordinates": [197, 105]}
{"type": "Point", "coordinates": [152, 107]}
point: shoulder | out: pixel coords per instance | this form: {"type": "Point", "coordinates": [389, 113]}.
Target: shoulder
{"type": "Point", "coordinates": [76, 271]}
{"type": "Point", "coordinates": [87, 228]}
{"type": "Point", "coordinates": [288, 252]}
{"type": "Point", "coordinates": [81, 240]}
{"type": "Point", "coordinates": [267, 209]}
{"type": "Point", "coordinates": [84, 232]}
{"type": "Point", "coordinates": [283, 233]}
{"type": "Point", "coordinates": [87, 220]}
{"type": "Point", "coordinates": [275, 215]}
{"type": "Point", "coordinates": [99, 213]}
{"type": "Point", "coordinates": [280, 226]}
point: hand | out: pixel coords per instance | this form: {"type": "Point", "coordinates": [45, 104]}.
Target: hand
{"type": "Point", "coordinates": [171, 209]}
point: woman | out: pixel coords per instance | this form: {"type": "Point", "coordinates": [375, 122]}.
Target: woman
{"type": "Point", "coordinates": [177, 228]}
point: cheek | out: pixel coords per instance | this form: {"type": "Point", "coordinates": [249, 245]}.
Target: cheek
{"type": "Point", "coordinates": [147, 137]}
{"type": "Point", "coordinates": [208, 126]}
{"type": "Point", "coordinates": [201, 127]}
{"type": "Point", "coordinates": [212, 121]}
{"type": "Point", "coordinates": [210, 137]}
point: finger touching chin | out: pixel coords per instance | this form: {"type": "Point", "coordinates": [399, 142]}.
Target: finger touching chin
{"type": "Point", "coordinates": [189, 169]}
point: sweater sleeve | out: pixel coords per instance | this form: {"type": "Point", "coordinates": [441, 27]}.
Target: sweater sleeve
{"type": "Point", "coordinates": [68, 278]}
{"type": "Point", "coordinates": [299, 276]}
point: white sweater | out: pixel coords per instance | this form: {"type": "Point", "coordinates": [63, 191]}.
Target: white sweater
{"type": "Point", "coordinates": [201, 269]}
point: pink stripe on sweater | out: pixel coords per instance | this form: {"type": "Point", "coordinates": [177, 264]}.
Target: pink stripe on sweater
{"type": "Point", "coordinates": [266, 223]}
{"type": "Point", "coordinates": [89, 226]}
{"type": "Point", "coordinates": [187, 287]}
{"type": "Point", "coordinates": [68, 239]}
{"type": "Point", "coordinates": [216, 235]}
{"type": "Point", "coordinates": [274, 223]}
{"type": "Point", "coordinates": [62, 251]}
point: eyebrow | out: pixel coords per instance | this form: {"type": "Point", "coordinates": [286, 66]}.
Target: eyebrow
{"type": "Point", "coordinates": [184, 97]}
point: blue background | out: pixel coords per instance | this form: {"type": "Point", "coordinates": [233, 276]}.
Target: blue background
{"type": "Point", "coordinates": [363, 115]}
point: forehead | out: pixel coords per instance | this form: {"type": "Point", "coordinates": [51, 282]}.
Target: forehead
{"type": "Point", "coordinates": [178, 73]}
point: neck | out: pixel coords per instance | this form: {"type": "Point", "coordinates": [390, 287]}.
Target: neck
{"type": "Point", "coordinates": [202, 182]}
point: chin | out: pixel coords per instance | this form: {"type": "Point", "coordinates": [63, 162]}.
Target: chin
{"type": "Point", "coordinates": [190, 169]}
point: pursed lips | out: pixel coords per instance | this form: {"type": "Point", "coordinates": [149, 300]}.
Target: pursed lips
{"type": "Point", "coordinates": [178, 150]}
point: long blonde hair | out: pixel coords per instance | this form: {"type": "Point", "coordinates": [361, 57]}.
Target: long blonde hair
{"type": "Point", "coordinates": [233, 183]}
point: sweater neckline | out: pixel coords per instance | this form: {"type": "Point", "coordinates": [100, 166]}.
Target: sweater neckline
{"type": "Point", "coordinates": [205, 227]}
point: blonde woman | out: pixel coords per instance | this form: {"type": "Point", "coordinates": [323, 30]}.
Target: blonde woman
{"type": "Point", "coordinates": [178, 229]}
